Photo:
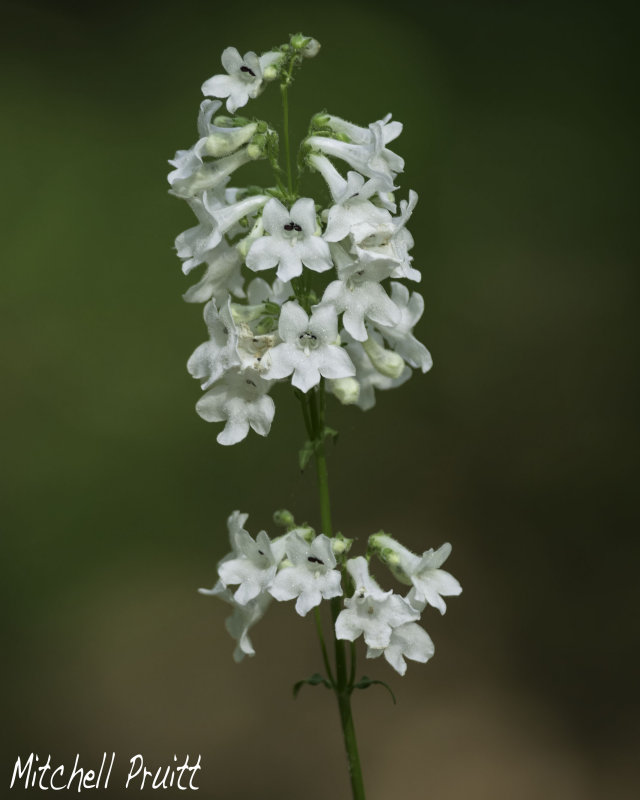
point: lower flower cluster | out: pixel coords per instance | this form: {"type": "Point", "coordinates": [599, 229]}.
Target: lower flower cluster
{"type": "Point", "coordinates": [307, 567]}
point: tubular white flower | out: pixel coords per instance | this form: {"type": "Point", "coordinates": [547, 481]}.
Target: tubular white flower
{"type": "Point", "coordinates": [252, 566]}
{"type": "Point", "coordinates": [311, 576]}
{"type": "Point", "coordinates": [366, 152]}
{"type": "Point", "coordinates": [423, 573]}
{"type": "Point", "coordinates": [345, 390]}
{"type": "Point", "coordinates": [292, 241]}
{"type": "Point", "coordinates": [368, 377]}
{"type": "Point", "coordinates": [211, 175]}
{"type": "Point", "coordinates": [186, 162]}
{"type": "Point", "coordinates": [400, 336]}
{"type": "Point", "coordinates": [210, 360]}
{"type": "Point", "coordinates": [240, 399]}
{"type": "Point", "coordinates": [389, 130]}
{"type": "Point", "coordinates": [407, 641]}
{"type": "Point", "coordinates": [242, 618]}
{"type": "Point", "coordinates": [307, 350]}
{"type": "Point", "coordinates": [195, 244]}
{"type": "Point", "coordinates": [387, 242]}
{"type": "Point", "coordinates": [361, 297]}
{"type": "Point", "coordinates": [244, 79]}
{"type": "Point", "coordinates": [371, 611]}
{"type": "Point", "coordinates": [222, 277]}
{"type": "Point", "coordinates": [385, 361]}
{"type": "Point", "coordinates": [224, 141]}
{"type": "Point", "coordinates": [259, 291]}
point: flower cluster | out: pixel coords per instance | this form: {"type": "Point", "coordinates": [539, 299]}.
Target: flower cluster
{"type": "Point", "coordinates": [310, 568]}
{"type": "Point", "coordinates": [329, 301]}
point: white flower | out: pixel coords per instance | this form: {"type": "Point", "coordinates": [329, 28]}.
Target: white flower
{"type": "Point", "coordinates": [223, 141]}
{"type": "Point", "coordinates": [367, 152]}
{"type": "Point", "coordinates": [385, 361]}
{"type": "Point", "coordinates": [240, 399]}
{"type": "Point", "coordinates": [253, 563]}
{"type": "Point", "coordinates": [361, 297]}
{"type": "Point", "coordinates": [194, 245]}
{"type": "Point", "coordinates": [423, 573]}
{"type": "Point", "coordinates": [212, 174]}
{"type": "Point", "coordinates": [210, 360]}
{"type": "Point", "coordinates": [291, 243]}
{"type": "Point", "coordinates": [371, 611]}
{"type": "Point", "coordinates": [259, 291]}
{"type": "Point", "coordinates": [407, 641]}
{"type": "Point", "coordinates": [368, 377]}
{"type": "Point", "coordinates": [222, 277]}
{"type": "Point", "coordinates": [387, 243]}
{"type": "Point", "coordinates": [242, 618]}
{"type": "Point", "coordinates": [351, 197]}
{"type": "Point", "coordinates": [217, 215]}
{"type": "Point", "coordinates": [244, 79]}
{"type": "Point", "coordinates": [311, 577]}
{"type": "Point", "coordinates": [186, 162]}
{"type": "Point", "coordinates": [308, 350]}
{"type": "Point", "coordinates": [400, 336]}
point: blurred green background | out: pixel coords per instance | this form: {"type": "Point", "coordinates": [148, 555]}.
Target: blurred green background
{"type": "Point", "coordinates": [520, 447]}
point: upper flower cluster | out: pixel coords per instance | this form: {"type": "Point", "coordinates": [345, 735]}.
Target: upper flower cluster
{"type": "Point", "coordinates": [330, 301]}
{"type": "Point", "coordinates": [310, 568]}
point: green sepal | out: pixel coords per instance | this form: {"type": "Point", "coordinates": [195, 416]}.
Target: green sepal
{"type": "Point", "coordinates": [365, 683]}
{"type": "Point", "coordinates": [315, 680]}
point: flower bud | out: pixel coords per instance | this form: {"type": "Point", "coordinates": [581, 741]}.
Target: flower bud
{"type": "Point", "coordinates": [270, 73]}
{"type": "Point", "coordinates": [346, 390]}
{"type": "Point", "coordinates": [266, 325]}
{"type": "Point", "coordinates": [284, 518]}
{"type": "Point", "coordinates": [242, 313]}
{"type": "Point", "coordinates": [256, 232]}
{"type": "Point", "coordinates": [305, 531]}
{"type": "Point", "coordinates": [311, 48]}
{"type": "Point", "coordinates": [390, 552]}
{"type": "Point", "coordinates": [340, 545]}
{"type": "Point", "coordinates": [385, 361]}
{"type": "Point", "coordinates": [258, 146]}
{"type": "Point", "coordinates": [226, 140]}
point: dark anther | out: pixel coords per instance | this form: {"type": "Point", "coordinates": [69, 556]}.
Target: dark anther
{"type": "Point", "coordinates": [315, 560]}
{"type": "Point", "coordinates": [251, 383]}
{"type": "Point", "coordinates": [290, 226]}
{"type": "Point", "coordinates": [261, 553]}
{"type": "Point", "coordinates": [243, 68]}
{"type": "Point", "coordinates": [296, 227]}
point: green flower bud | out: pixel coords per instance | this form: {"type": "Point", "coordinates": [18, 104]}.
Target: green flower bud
{"type": "Point", "coordinates": [340, 545]}
{"type": "Point", "coordinates": [257, 148]}
{"type": "Point", "coordinates": [284, 518]}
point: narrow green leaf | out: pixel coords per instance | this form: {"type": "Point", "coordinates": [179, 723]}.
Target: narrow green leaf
{"type": "Point", "coordinates": [315, 680]}
{"type": "Point", "coordinates": [365, 683]}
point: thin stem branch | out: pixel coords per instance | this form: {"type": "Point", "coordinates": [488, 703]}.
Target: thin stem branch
{"type": "Point", "coordinates": [325, 655]}
{"type": "Point", "coordinates": [285, 123]}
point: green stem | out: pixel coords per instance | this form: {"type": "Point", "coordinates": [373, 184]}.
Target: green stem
{"type": "Point", "coordinates": [285, 123]}
{"type": "Point", "coordinates": [325, 656]}
{"type": "Point", "coordinates": [313, 409]}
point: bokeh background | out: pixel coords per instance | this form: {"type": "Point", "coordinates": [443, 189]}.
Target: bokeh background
{"type": "Point", "coordinates": [520, 447]}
